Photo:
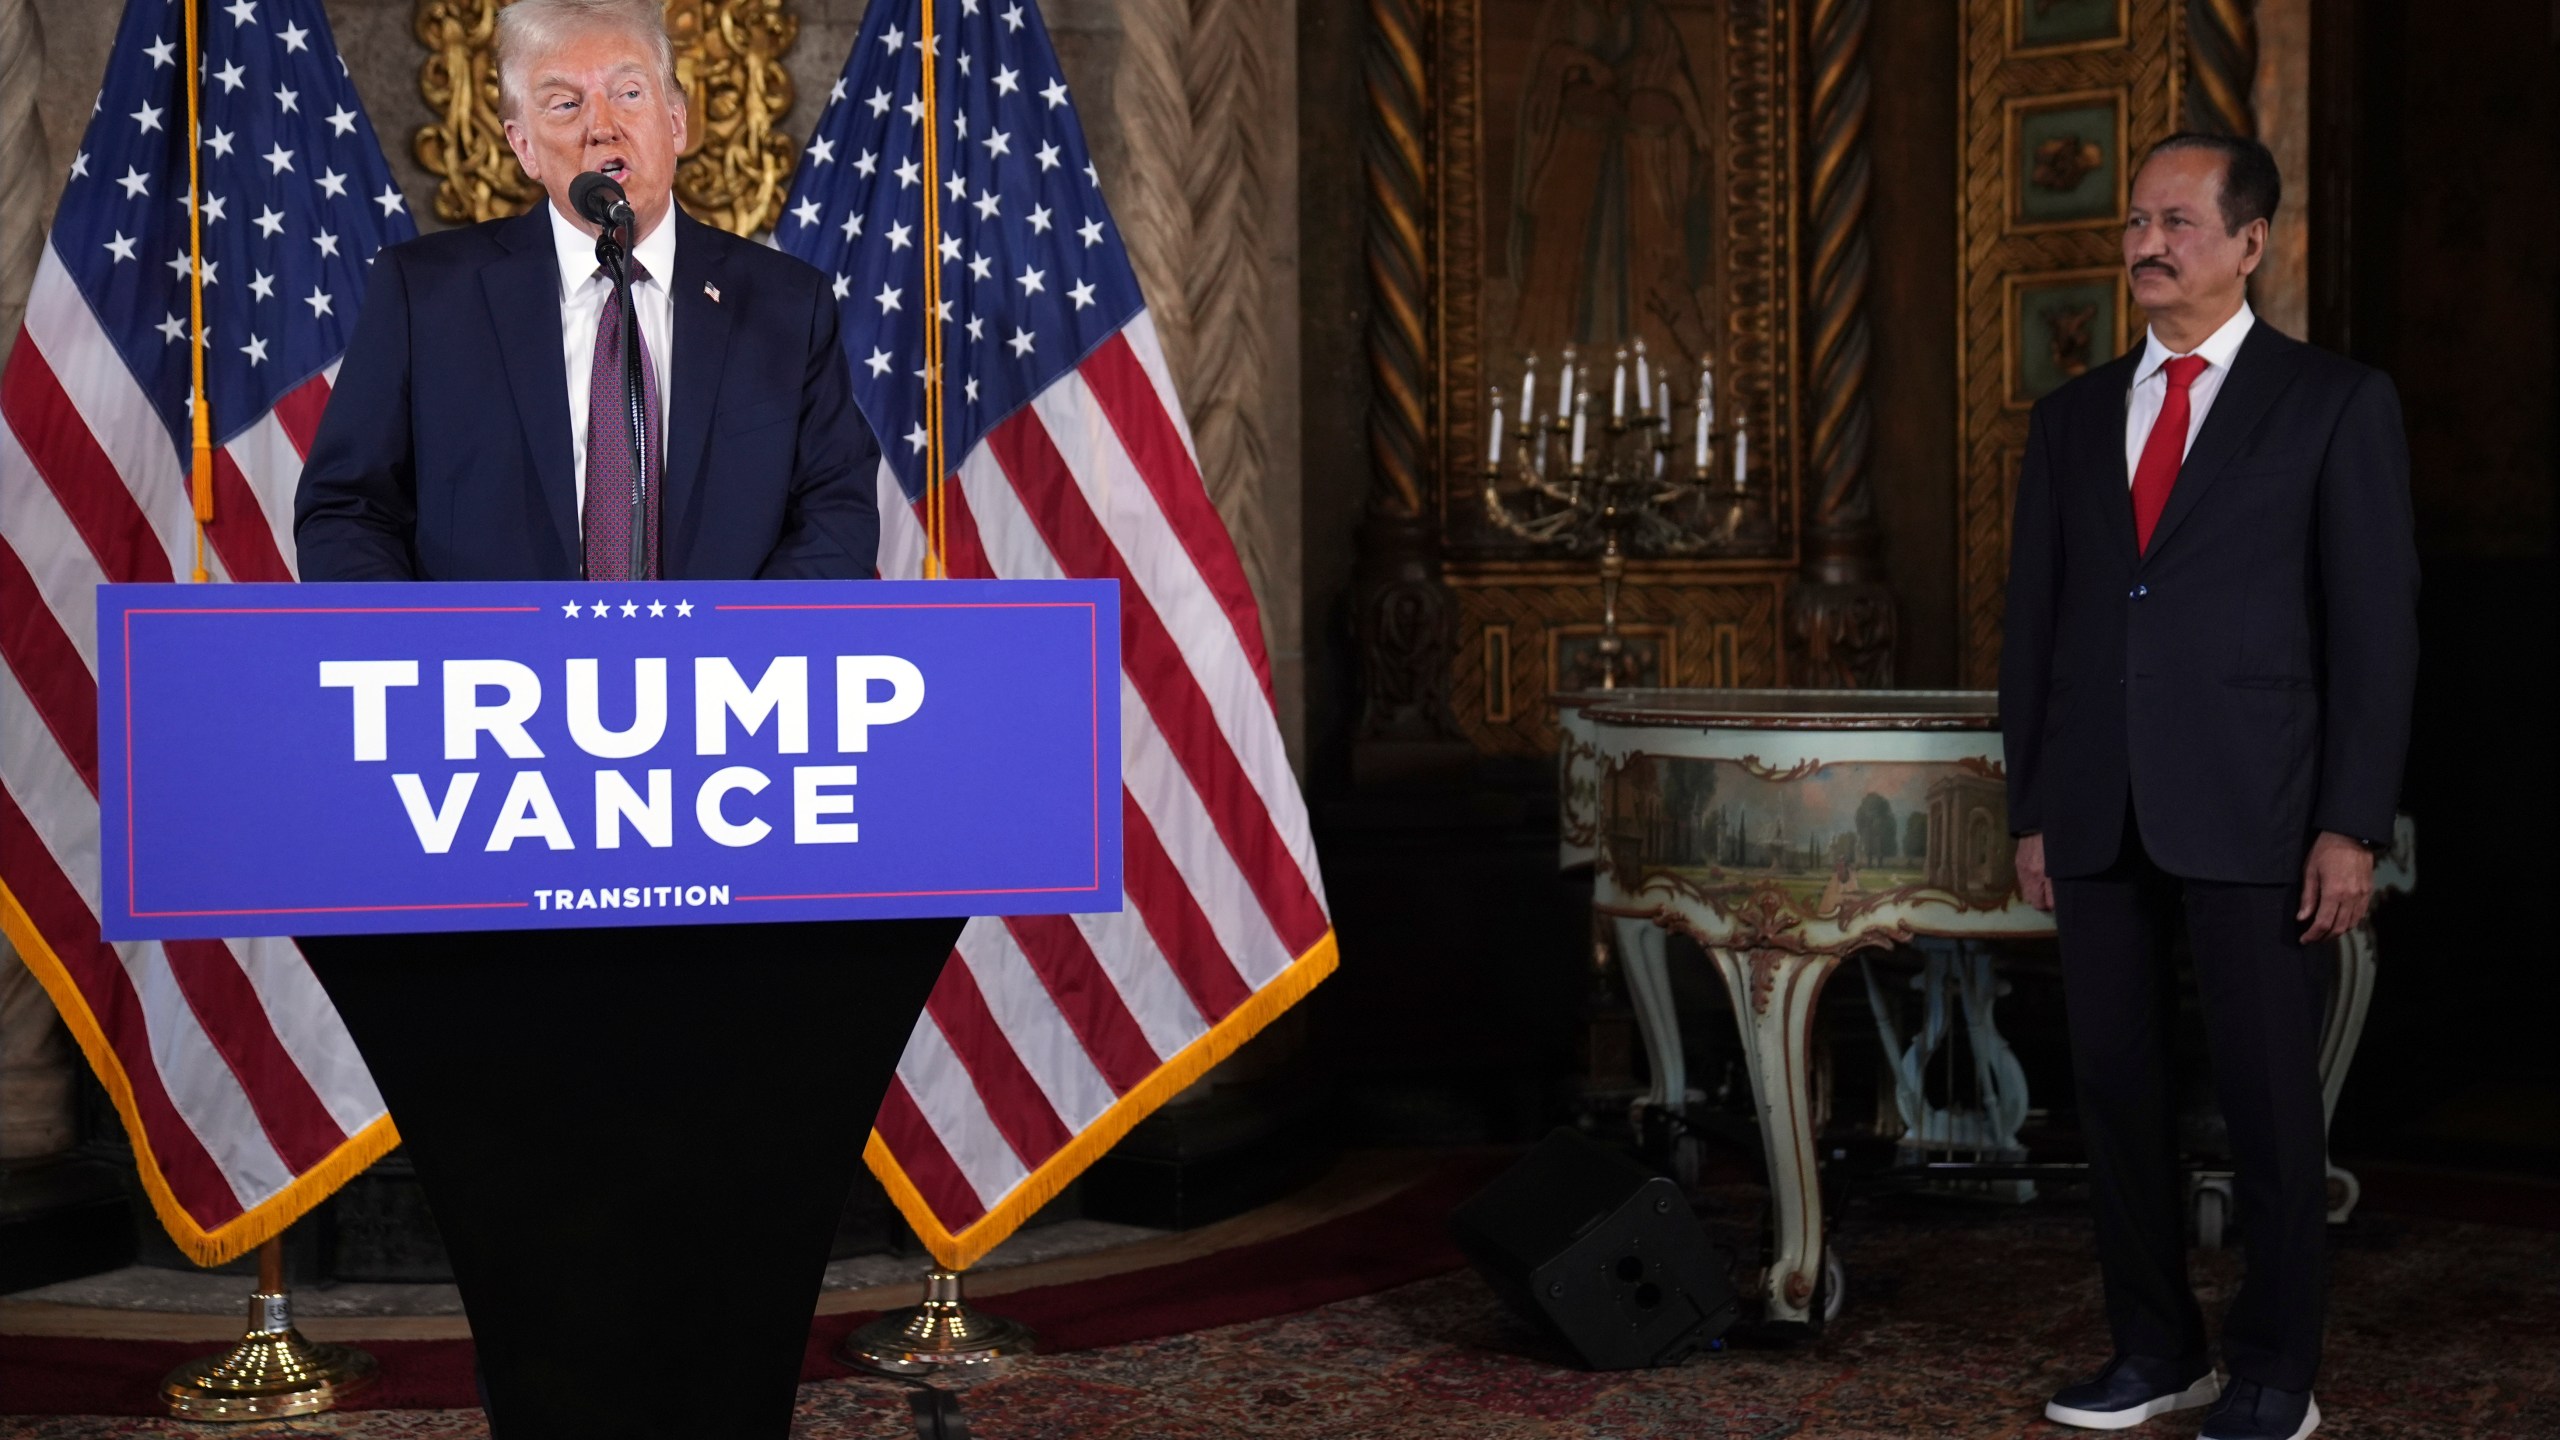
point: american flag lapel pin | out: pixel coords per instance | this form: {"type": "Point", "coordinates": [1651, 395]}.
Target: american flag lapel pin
{"type": "Point", "coordinates": [711, 290]}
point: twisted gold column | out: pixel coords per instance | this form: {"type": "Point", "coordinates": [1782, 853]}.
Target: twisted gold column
{"type": "Point", "coordinates": [2222, 65]}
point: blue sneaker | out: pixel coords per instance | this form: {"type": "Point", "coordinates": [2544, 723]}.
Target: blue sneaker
{"type": "Point", "coordinates": [2251, 1411]}
{"type": "Point", "coordinates": [2132, 1389]}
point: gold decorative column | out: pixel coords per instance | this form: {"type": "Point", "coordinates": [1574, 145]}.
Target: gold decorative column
{"type": "Point", "coordinates": [1840, 616]}
{"type": "Point", "coordinates": [2222, 66]}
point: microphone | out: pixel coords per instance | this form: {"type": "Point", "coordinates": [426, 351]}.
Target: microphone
{"type": "Point", "coordinates": [600, 200]}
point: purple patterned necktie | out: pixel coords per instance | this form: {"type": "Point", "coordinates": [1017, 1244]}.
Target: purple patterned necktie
{"type": "Point", "coordinates": [607, 521]}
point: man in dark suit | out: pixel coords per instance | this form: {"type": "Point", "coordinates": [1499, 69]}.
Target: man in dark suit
{"type": "Point", "coordinates": [2205, 691]}
{"type": "Point", "coordinates": [636, 1143]}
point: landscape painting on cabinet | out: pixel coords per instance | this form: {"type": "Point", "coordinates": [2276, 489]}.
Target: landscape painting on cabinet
{"type": "Point", "coordinates": [1836, 840]}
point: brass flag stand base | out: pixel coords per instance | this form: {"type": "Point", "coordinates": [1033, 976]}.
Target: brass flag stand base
{"type": "Point", "coordinates": [941, 1332]}
{"type": "Point", "coordinates": [273, 1371]}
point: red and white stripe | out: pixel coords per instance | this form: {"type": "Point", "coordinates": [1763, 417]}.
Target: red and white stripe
{"type": "Point", "coordinates": [1051, 1030]}
{"type": "Point", "coordinates": [235, 1075]}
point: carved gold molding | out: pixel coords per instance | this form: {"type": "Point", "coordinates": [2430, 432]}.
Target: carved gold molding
{"type": "Point", "coordinates": [734, 173]}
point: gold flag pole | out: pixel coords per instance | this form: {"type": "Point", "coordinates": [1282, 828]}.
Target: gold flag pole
{"type": "Point", "coordinates": [942, 1330]}
{"type": "Point", "coordinates": [272, 1372]}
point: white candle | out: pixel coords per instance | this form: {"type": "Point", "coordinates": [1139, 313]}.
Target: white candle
{"type": "Point", "coordinates": [1564, 385]}
{"type": "Point", "coordinates": [1707, 396]}
{"type": "Point", "coordinates": [1706, 408]}
{"type": "Point", "coordinates": [1741, 455]}
{"type": "Point", "coordinates": [1618, 388]}
{"type": "Point", "coordinates": [1581, 413]}
{"type": "Point", "coordinates": [1644, 373]}
{"type": "Point", "coordinates": [1528, 393]}
{"type": "Point", "coordinates": [1493, 450]}
{"type": "Point", "coordinates": [1664, 410]}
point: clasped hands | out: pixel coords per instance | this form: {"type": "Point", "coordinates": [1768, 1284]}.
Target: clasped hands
{"type": "Point", "coordinates": [2337, 883]}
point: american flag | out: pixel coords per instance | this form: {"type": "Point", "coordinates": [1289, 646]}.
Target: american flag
{"type": "Point", "coordinates": [1049, 1037]}
{"type": "Point", "coordinates": [244, 1097]}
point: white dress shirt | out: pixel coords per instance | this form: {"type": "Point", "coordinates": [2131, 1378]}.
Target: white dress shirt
{"type": "Point", "coordinates": [2151, 385]}
{"type": "Point", "coordinates": [584, 292]}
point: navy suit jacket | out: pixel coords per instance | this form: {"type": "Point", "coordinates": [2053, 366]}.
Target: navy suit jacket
{"type": "Point", "coordinates": [2247, 681]}
{"type": "Point", "coordinates": [445, 452]}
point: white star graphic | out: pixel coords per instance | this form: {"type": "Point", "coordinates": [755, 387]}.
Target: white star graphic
{"type": "Point", "coordinates": [162, 54]}
{"type": "Point", "coordinates": [1029, 280]}
{"type": "Point", "coordinates": [319, 300]}
{"type": "Point", "coordinates": [1055, 92]}
{"type": "Point", "coordinates": [231, 76]}
{"type": "Point", "coordinates": [806, 212]}
{"type": "Point", "coordinates": [879, 103]}
{"type": "Point", "coordinates": [285, 99]}
{"type": "Point", "coordinates": [1091, 230]}
{"type": "Point", "coordinates": [894, 38]}
{"type": "Point", "coordinates": [843, 285]}
{"type": "Point", "coordinates": [1021, 342]}
{"type": "Point", "coordinates": [888, 298]}
{"type": "Point", "coordinates": [981, 268]}
{"type": "Point", "coordinates": [868, 163]}
{"type": "Point", "coordinates": [343, 120]}
{"type": "Point", "coordinates": [598, 609]}
{"type": "Point", "coordinates": [683, 608]}
{"type": "Point", "coordinates": [968, 7]}
{"type": "Point", "coordinates": [263, 285]}
{"type": "Point", "coordinates": [852, 226]}
{"type": "Point", "coordinates": [243, 12]}
{"type": "Point", "coordinates": [119, 247]}
{"type": "Point", "coordinates": [630, 608]}
{"type": "Point", "coordinates": [958, 185]}
{"type": "Point", "coordinates": [899, 236]}
{"type": "Point", "coordinates": [964, 62]}
{"type": "Point", "coordinates": [918, 438]}
{"type": "Point", "coordinates": [327, 242]}
{"type": "Point", "coordinates": [1040, 221]}
{"type": "Point", "coordinates": [997, 144]}
{"type": "Point", "coordinates": [977, 327]}
{"type": "Point", "coordinates": [971, 389]}
{"type": "Point", "coordinates": [212, 209]}
{"type": "Point", "coordinates": [835, 96]}
{"type": "Point", "coordinates": [960, 124]}
{"type": "Point", "coordinates": [822, 151]}
{"type": "Point", "coordinates": [1048, 156]}
{"type": "Point", "coordinates": [1008, 80]}
{"type": "Point", "coordinates": [878, 361]}
{"type": "Point", "coordinates": [1013, 17]}
{"type": "Point", "coordinates": [659, 607]}
{"type": "Point", "coordinates": [334, 184]}
{"type": "Point", "coordinates": [1082, 290]}
{"type": "Point", "coordinates": [80, 166]}
{"type": "Point", "coordinates": [391, 201]}
{"type": "Point", "coordinates": [148, 117]}
{"type": "Point", "coordinates": [280, 158]}
{"type": "Point", "coordinates": [270, 221]}
{"type": "Point", "coordinates": [570, 609]}
{"type": "Point", "coordinates": [907, 175]}
{"type": "Point", "coordinates": [292, 35]}
{"type": "Point", "coordinates": [942, 310]}
{"type": "Point", "coordinates": [256, 350]}
{"type": "Point", "coordinates": [950, 248]}
{"type": "Point", "coordinates": [219, 142]}
{"type": "Point", "coordinates": [178, 264]}
{"type": "Point", "coordinates": [915, 108]}
{"type": "Point", "coordinates": [988, 204]}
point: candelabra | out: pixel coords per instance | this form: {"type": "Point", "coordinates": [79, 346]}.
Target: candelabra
{"type": "Point", "coordinates": [1548, 483]}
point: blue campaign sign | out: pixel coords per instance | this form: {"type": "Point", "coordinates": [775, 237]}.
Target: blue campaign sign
{"type": "Point", "coordinates": [335, 759]}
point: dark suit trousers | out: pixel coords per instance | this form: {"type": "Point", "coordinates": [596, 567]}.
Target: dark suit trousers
{"type": "Point", "coordinates": [636, 1144]}
{"type": "Point", "coordinates": [2263, 997]}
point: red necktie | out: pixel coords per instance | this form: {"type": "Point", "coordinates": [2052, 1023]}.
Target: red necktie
{"type": "Point", "coordinates": [2163, 450]}
{"type": "Point", "coordinates": [610, 480]}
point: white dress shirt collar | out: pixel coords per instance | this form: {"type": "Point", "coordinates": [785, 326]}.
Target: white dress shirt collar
{"type": "Point", "coordinates": [577, 249]}
{"type": "Point", "coordinates": [2218, 348]}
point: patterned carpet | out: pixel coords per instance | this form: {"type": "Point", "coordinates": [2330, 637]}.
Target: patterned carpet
{"type": "Point", "coordinates": [1959, 1321]}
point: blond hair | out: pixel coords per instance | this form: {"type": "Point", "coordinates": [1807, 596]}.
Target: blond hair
{"type": "Point", "coordinates": [530, 29]}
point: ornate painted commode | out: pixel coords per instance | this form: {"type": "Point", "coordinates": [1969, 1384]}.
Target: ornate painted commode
{"type": "Point", "coordinates": [1785, 831]}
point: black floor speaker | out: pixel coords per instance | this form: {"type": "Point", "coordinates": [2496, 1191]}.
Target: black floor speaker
{"type": "Point", "coordinates": [1600, 1253]}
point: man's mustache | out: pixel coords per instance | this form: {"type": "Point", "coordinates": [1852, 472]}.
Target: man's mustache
{"type": "Point", "coordinates": [2163, 266]}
